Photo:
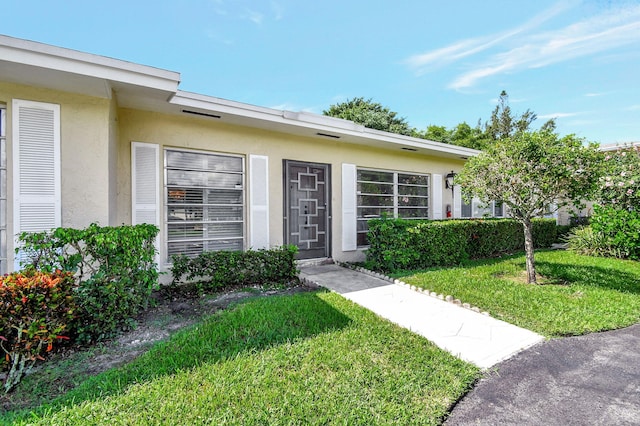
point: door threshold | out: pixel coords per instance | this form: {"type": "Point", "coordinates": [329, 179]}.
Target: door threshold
{"type": "Point", "coordinates": [314, 262]}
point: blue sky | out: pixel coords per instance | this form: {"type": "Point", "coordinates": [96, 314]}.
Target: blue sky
{"type": "Point", "coordinates": [434, 62]}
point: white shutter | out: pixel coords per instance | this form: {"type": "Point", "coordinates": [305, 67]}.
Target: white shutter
{"type": "Point", "coordinates": [349, 207]}
{"type": "Point", "coordinates": [457, 202]}
{"type": "Point", "coordinates": [259, 201]}
{"type": "Point", "coordinates": [36, 168]}
{"type": "Point", "coordinates": [145, 187]}
{"type": "Point", "coordinates": [436, 196]}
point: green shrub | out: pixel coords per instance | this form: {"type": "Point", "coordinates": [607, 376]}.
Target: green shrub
{"type": "Point", "coordinates": [583, 240]}
{"type": "Point", "coordinates": [219, 269]}
{"type": "Point", "coordinates": [619, 230]}
{"type": "Point", "coordinates": [114, 266]}
{"type": "Point", "coordinates": [397, 244]}
{"type": "Point", "coordinates": [36, 309]}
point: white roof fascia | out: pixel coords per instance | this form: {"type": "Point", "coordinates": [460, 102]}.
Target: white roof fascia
{"type": "Point", "coordinates": [72, 61]}
{"type": "Point", "coordinates": [312, 121]}
{"type": "Point", "coordinates": [617, 146]}
{"type": "Point", "coordinates": [457, 150]}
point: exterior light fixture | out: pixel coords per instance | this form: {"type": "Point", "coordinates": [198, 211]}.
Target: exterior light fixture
{"type": "Point", "coordinates": [449, 181]}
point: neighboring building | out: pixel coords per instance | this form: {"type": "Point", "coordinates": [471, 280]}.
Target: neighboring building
{"type": "Point", "coordinates": [86, 138]}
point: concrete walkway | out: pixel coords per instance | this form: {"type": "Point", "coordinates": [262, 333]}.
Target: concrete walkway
{"type": "Point", "coordinates": [472, 336]}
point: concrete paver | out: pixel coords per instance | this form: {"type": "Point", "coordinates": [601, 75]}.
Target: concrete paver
{"type": "Point", "coordinates": [473, 337]}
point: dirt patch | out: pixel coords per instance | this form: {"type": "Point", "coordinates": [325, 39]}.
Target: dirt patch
{"type": "Point", "coordinates": [173, 311]}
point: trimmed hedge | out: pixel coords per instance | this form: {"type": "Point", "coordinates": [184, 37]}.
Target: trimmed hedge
{"type": "Point", "coordinates": [219, 269]}
{"type": "Point", "coordinates": [397, 244]}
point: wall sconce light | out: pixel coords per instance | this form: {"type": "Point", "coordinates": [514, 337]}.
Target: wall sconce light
{"type": "Point", "coordinates": [449, 181]}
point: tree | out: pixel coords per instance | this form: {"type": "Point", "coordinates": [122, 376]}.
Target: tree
{"type": "Point", "coordinates": [469, 137]}
{"type": "Point", "coordinates": [370, 114]}
{"type": "Point", "coordinates": [437, 133]}
{"type": "Point", "coordinates": [532, 173]}
{"type": "Point", "coordinates": [504, 123]}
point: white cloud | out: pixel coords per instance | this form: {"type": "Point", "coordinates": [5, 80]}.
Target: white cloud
{"type": "Point", "coordinates": [559, 115]}
{"type": "Point", "coordinates": [443, 56]}
{"type": "Point", "coordinates": [520, 48]}
{"type": "Point", "coordinates": [254, 16]}
{"type": "Point", "coordinates": [633, 108]}
{"type": "Point", "coordinates": [278, 10]}
{"type": "Point", "coordinates": [598, 34]}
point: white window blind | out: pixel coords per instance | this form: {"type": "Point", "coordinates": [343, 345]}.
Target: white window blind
{"type": "Point", "coordinates": [205, 202]}
{"type": "Point", "coordinates": [36, 167]}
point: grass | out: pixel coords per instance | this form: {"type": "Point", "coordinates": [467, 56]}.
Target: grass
{"type": "Point", "coordinates": [307, 358]}
{"type": "Point", "coordinates": [578, 295]}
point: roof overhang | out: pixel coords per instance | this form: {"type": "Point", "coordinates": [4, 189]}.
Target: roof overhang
{"type": "Point", "coordinates": [152, 89]}
{"type": "Point", "coordinates": [41, 65]}
{"type": "Point", "coordinates": [308, 125]}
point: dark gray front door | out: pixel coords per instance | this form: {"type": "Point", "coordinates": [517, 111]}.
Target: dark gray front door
{"type": "Point", "coordinates": [307, 210]}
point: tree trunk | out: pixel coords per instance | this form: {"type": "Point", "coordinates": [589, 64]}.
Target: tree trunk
{"type": "Point", "coordinates": [528, 248]}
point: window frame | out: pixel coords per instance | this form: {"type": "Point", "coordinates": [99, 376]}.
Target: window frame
{"type": "Point", "coordinates": [395, 195]}
{"type": "Point", "coordinates": [168, 204]}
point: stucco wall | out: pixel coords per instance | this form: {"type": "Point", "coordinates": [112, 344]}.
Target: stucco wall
{"type": "Point", "coordinates": [84, 153]}
{"type": "Point", "coordinates": [209, 135]}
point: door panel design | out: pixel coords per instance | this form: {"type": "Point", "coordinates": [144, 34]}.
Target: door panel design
{"type": "Point", "coordinates": [307, 211]}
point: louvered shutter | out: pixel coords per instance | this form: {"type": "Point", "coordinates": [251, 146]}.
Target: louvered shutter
{"type": "Point", "coordinates": [457, 202]}
{"type": "Point", "coordinates": [259, 201]}
{"type": "Point", "coordinates": [436, 196]}
{"type": "Point", "coordinates": [36, 168]}
{"type": "Point", "coordinates": [145, 186]}
{"type": "Point", "coordinates": [349, 207]}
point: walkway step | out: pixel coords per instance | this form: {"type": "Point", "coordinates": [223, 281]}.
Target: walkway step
{"type": "Point", "coordinates": [471, 336]}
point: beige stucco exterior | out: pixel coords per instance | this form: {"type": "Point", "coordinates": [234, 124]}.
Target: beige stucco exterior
{"type": "Point", "coordinates": [204, 134]}
{"type": "Point", "coordinates": [106, 105]}
{"type": "Point", "coordinates": [85, 132]}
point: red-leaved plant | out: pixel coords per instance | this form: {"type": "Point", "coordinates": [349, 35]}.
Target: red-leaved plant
{"type": "Point", "coordinates": [35, 310]}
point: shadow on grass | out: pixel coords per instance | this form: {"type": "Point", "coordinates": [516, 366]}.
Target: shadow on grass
{"type": "Point", "coordinates": [591, 275]}
{"type": "Point", "coordinates": [569, 273]}
{"type": "Point", "coordinates": [253, 325]}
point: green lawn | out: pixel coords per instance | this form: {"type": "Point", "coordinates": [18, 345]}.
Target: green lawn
{"type": "Point", "coordinates": [308, 358]}
{"type": "Point", "coordinates": [580, 294]}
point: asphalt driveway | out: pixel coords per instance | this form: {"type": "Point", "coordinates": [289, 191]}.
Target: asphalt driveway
{"type": "Point", "coordinates": [585, 380]}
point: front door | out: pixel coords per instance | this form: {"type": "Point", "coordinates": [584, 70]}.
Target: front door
{"type": "Point", "coordinates": [307, 213]}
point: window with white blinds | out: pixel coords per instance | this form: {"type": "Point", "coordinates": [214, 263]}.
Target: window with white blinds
{"type": "Point", "coordinates": [3, 190]}
{"type": "Point", "coordinates": [395, 194]}
{"type": "Point", "coordinates": [204, 201]}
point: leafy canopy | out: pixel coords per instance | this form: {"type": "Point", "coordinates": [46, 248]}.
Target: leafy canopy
{"type": "Point", "coordinates": [504, 123]}
{"type": "Point", "coordinates": [533, 173]}
{"type": "Point", "coordinates": [370, 114]}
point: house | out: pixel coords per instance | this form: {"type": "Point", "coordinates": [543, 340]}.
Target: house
{"type": "Point", "coordinates": [86, 138]}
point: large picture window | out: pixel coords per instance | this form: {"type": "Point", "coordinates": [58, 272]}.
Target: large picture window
{"type": "Point", "coordinates": [395, 194]}
{"type": "Point", "coordinates": [204, 201]}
